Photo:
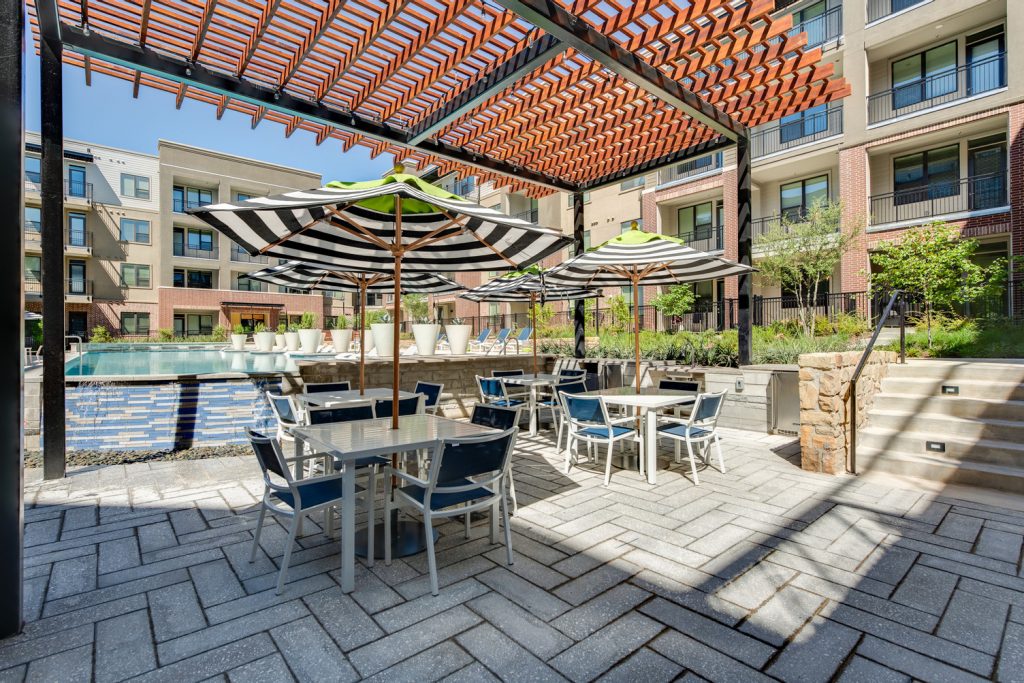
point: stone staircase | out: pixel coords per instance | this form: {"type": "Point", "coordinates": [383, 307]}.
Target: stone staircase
{"type": "Point", "coordinates": [956, 421]}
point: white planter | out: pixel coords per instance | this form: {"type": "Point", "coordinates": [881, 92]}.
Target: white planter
{"type": "Point", "coordinates": [384, 339]}
{"type": "Point", "coordinates": [425, 335]}
{"type": "Point", "coordinates": [368, 340]}
{"type": "Point", "coordinates": [238, 361]}
{"type": "Point", "coordinates": [309, 340]}
{"type": "Point", "coordinates": [279, 340]}
{"type": "Point", "coordinates": [458, 337]}
{"type": "Point", "coordinates": [264, 341]}
{"type": "Point", "coordinates": [238, 341]}
{"type": "Point", "coordinates": [291, 341]}
{"type": "Point", "coordinates": [342, 340]}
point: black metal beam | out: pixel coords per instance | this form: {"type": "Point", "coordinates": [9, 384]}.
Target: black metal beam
{"type": "Point", "coordinates": [744, 235]}
{"type": "Point", "coordinates": [12, 26]}
{"type": "Point", "coordinates": [700, 149]}
{"type": "Point", "coordinates": [492, 83]}
{"type": "Point", "coordinates": [575, 32]}
{"type": "Point", "coordinates": [579, 315]}
{"type": "Point", "coordinates": [52, 218]}
{"type": "Point", "coordinates": [146, 60]}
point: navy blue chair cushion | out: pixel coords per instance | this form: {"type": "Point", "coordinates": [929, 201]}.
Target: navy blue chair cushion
{"type": "Point", "coordinates": [283, 406]}
{"type": "Point", "coordinates": [602, 432]}
{"type": "Point", "coordinates": [463, 460]}
{"type": "Point", "coordinates": [441, 500]}
{"type": "Point", "coordinates": [266, 454]}
{"type": "Point", "coordinates": [431, 391]}
{"type": "Point", "coordinates": [678, 385]}
{"type": "Point", "coordinates": [584, 409]}
{"type": "Point", "coordinates": [313, 493]}
{"type": "Point", "coordinates": [320, 416]}
{"type": "Point", "coordinates": [680, 430]}
{"type": "Point", "coordinates": [406, 406]}
{"type": "Point", "coordinates": [492, 416]}
{"type": "Point", "coordinates": [708, 406]}
{"type": "Point", "coordinates": [491, 386]}
{"type": "Point", "coordinates": [508, 373]}
{"type": "Point", "coordinates": [330, 386]}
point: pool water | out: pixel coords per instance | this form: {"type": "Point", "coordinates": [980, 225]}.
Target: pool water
{"type": "Point", "coordinates": [148, 362]}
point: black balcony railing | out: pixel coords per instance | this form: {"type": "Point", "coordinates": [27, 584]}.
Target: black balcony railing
{"type": "Point", "coordinates": [877, 9]}
{"type": "Point", "coordinates": [780, 136]}
{"type": "Point", "coordinates": [760, 226]}
{"type": "Point", "coordinates": [975, 193]}
{"type": "Point", "coordinates": [956, 83]}
{"type": "Point", "coordinates": [242, 256]}
{"type": "Point", "coordinates": [196, 252]}
{"type": "Point", "coordinates": [33, 226]}
{"type": "Point", "coordinates": [821, 29]}
{"type": "Point", "coordinates": [78, 189]}
{"type": "Point", "coordinates": [691, 168]}
{"type": "Point", "coordinates": [78, 287]}
{"type": "Point", "coordinates": [532, 215]}
{"type": "Point", "coordinates": [704, 239]}
{"type": "Point", "coordinates": [78, 238]}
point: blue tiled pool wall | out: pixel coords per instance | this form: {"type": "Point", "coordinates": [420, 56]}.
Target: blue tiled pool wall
{"type": "Point", "coordinates": [166, 415]}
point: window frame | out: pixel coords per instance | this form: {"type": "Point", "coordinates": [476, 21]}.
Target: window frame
{"type": "Point", "coordinates": [135, 223]}
{"type": "Point", "coordinates": [137, 316]}
{"type": "Point", "coordinates": [36, 176]}
{"type": "Point", "coordinates": [804, 204]}
{"type": "Point", "coordinates": [925, 189]}
{"type": "Point", "coordinates": [135, 192]}
{"type": "Point", "coordinates": [136, 269]}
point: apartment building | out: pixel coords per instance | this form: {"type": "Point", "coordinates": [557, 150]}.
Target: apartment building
{"type": "Point", "coordinates": [933, 131]}
{"type": "Point", "coordinates": [136, 262]}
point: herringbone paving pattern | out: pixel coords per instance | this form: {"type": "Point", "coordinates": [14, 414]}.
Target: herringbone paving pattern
{"type": "Point", "coordinates": [764, 572]}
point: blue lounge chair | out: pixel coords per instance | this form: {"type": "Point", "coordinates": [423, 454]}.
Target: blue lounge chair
{"type": "Point", "coordinates": [481, 339]}
{"type": "Point", "coordinates": [501, 340]}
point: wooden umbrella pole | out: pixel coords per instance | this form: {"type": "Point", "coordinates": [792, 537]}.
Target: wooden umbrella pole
{"type": "Point", "coordinates": [362, 333]}
{"type": "Point", "coordinates": [636, 325]}
{"type": "Point", "coordinates": [396, 338]}
{"type": "Point", "coordinates": [533, 321]}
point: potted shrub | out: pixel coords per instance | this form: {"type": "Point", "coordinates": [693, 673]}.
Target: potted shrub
{"type": "Point", "coordinates": [309, 334]}
{"type": "Point", "coordinates": [425, 333]}
{"type": "Point", "coordinates": [291, 338]}
{"type": "Point", "coordinates": [383, 335]}
{"type": "Point", "coordinates": [458, 335]}
{"type": "Point", "coordinates": [238, 337]}
{"type": "Point", "coordinates": [264, 338]}
{"type": "Point", "coordinates": [341, 335]}
{"type": "Point", "coordinates": [279, 337]}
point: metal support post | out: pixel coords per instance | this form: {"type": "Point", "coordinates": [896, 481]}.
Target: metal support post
{"type": "Point", "coordinates": [579, 311]}
{"type": "Point", "coordinates": [745, 247]}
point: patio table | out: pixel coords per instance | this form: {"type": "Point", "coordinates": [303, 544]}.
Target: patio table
{"type": "Point", "coordinates": [533, 381]}
{"type": "Point", "coordinates": [349, 441]}
{"type": "Point", "coordinates": [648, 401]}
{"type": "Point", "coordinates": [330, 399]}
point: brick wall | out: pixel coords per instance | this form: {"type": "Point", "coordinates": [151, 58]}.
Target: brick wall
{"type": "Point", "coordinates": [210, 300]}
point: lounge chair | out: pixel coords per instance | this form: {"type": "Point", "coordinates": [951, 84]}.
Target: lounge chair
{"type": "Point", "coordinates": [480, 340]}
{"type": "Point", "coordinates": [520, 339]}
{"type": "Point", "coordinates": [501, 340]}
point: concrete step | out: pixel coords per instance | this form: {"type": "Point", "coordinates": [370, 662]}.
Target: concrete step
{"type": "Point", "coordinates": [941, 425]}
{"type": "Point", "coordinates": [954, 406]}
{"type": "Point", "coordinates": [948, 470]}
{"type": "Point", "coordinates": [978, 370]}
{"type": "Point", "coordinates": [992, 389]}
{"type": "Point", "coordinates": [990, 451]}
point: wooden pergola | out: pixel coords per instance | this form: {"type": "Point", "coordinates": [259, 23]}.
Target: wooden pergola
{"type": "Point", "coordinates": [534, 95]}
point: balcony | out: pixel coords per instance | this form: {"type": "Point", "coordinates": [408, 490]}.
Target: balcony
{"type": "Point", "coordinates": [951, 199]}
{"type": "Point", "coordinates": [239, 255]}
{"type": "Point", "coordinates": [824, 28]}
{"type": "Point", "coordinates": [33, 236]}
{"type": "Point", "coordinates": [778, 137]}
{"type": "Point", "coordinates": [78, 242]}
{"type": "Point", "coordinates": [880, 9]}
{"type": "Point", "coordinates": [690, 169]}
{"type": "Point", "coordinates": [960, 83]}
{"type": "Point", "coordinates": [78, 290]}
{"type": "Point", "coordinates": [533, 215]}
{"type": "Point", "coordinates": [705, 239]}
{"type": "Point", "coordinates": [760, 226]}
{"type": "Point", "coordinates": [194, 252]}
{"type": "Point", "coordinates": [76, 194]}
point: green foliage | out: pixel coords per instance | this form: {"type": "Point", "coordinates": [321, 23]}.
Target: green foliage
{"type": "Point", "coordinates": [281, 327]}
{"type": "Point", "coordinates": [100, 335]}
{"type": "Point", "coordinates": [220, 333]}
{"type": "Point", "coordinates": [164, 334]}
{"type": "Point", "coordinates": [416, 307]}
{"type": "Point", "coordinates": [308, 321]}
{"type": "Point", "coordinates": [341, 322]}
{"type": "Point", "coordinates": [377, 316]}
{"type": "Point", "coordinates": [936, 263]}
{"type": "Point", "coordinates": [35, 330]}
{"type": "Point", "coordinates": [622, 316]}
{"type": "Point", "coordinates": [957, 338]}
{"type": "Point", "coordinates": [237, 329]}
{"type": "Point", "coordinates": [677, 301]}
{"type": "Point", "coordinates": [542, 316]}
{"type": "Point", "coordinates": [260, 327]}
{"type": "Point", "coordinates": [801, 254]}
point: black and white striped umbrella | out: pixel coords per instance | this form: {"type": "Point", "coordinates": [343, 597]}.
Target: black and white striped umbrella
{"type": "Point", "coordinates": [301, 276]}
{"type": "Point", "coordinates": [637, 258]}
{"type": "Point", "coordinates": [397, 223]}
{"type": "Point", "coordinates": [527, 286]}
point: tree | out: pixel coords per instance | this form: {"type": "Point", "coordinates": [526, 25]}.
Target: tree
{"type": "Point", "coordinates": [676, 301]}
{"type": "Point", "coordinates": [621, 313]}
{"type": "Point", "coordinates": [800, 255]}
{"type": "Point", "coordinates": [416, 307]}
{"type": "Point", "coordinates": [936, 263]}
{"type": "Point", "coordinates": [543, 314]}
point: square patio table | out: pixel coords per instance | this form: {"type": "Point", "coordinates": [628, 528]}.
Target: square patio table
{"type": "Point", "coordinates": [330, 399]}
{"type": "Point", "coordinates": [648, 401]}
{"type": "Point", "coordinates": [533, 381]}
{"type": "Point", "coordinates": [349, 441]}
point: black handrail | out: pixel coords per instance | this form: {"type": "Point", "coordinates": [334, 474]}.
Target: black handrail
{"type": "Point", "coordinates": [852, 392]}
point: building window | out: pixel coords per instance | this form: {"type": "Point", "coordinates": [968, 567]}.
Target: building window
{"type": "Point", "coordinates": [632, 183]}
{"type": "Point", "coordinates": [924, 76]}
{"type": "Point", "coordinates": [586, 240]}
{"type": "Point", "coordinates": [76, 230]}
{"type": "Point", "coordinates": [586, 198]}
{"type": "Point", "coordinates": [695, 222]}
{"type": "Point", "coordinates": [925, 175]}
{"type": "Point", "coordinates": [803, 124]}
{"type": "Point", "coordinates": [243, 196]}
{"type": "Point", "coordinates": [134, 230]}
{"type": "Point", "coordinates": [76, 181]}
{"type": "Point", "coordinates": [193, 279]}
{"type": "Point", "coordinates": [135, 324]}
{"type": "Point", "coordinates": [193, 324]}
{"type": "Point", "coordinates": [33, 170]}
{"type": "Point", "coordinates": [136, 186]}
{"type": "Point", "coordinates": [374, 299]}
{"type": "Point", "coordinates": [33, 269]}
{"type": "Point", "coordinates": [193, 242]}
{"type": "Point", "coordinates": [627, 294]}
{"type": "Point", "coordinates": [248, 285]}
{"type": "Point", "coordinates": [135, 275]}
{"type": "Point", "coordinates": [986, 52]}
{"type": "Point", "coordinates": [796, 197]}
{"type": "Point", "coordinates": [186, 198]}
{"type": "Point", "coordinates": [201, 240]}
{"type": "Point", "coordinates": [33, 219]}
{"type": "Point", "coordinates": [986, 166]}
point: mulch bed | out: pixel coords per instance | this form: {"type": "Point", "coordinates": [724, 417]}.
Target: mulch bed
{"type": "Point", "coordinates": [77, 458]}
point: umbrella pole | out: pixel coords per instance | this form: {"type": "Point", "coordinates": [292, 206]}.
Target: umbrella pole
{"type": "Point", "coordinates": [396, 339]}
{"type": "Point", "coordinates": [533, 320]}
{"type": "Point", "coordinates": [362, 333]}
{"type": "Point", "coordinates": [636, 327]}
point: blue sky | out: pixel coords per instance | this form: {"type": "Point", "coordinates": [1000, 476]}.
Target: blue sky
{"type": "Point", "coordinates": [106, 113]}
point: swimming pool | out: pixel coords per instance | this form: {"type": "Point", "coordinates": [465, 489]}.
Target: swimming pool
{"type": "Point", "coordinates": [145, 362]}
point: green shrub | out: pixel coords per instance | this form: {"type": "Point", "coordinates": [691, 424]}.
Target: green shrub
{"type": "Point", "coordinates": [850, 324]}
{"type": "Point", "coordinates": [101, 335]}
{"type": "Point", "coordinates": [220, 333]}
{"type": "Point", "coordinates": [967, 340]}
{"type": "Point", "coordinates": [165, 334]}
{"type": "Point", "coordinates": [307, 321]}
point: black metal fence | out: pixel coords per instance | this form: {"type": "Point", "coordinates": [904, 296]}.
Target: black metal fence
{"type": "Point", "coordinates": [784, 135]}
{"type": "Point", "coordinates": [878, 9]}
{"type": "Point", "coordinates": [824, 28]}
{"type": "Point", "coordinates": [974, 193]}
